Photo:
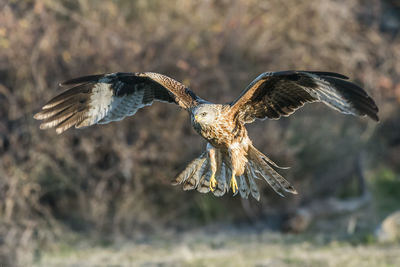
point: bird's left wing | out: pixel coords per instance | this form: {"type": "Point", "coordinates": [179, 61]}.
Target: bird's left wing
{"type": "Point", "coordinates": [111, 97]}
{"type": "Point", "coordinates": [275, 94]}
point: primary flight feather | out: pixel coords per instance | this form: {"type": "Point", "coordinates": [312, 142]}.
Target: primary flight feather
{"type": "Point", "coordinates": [99, 99]}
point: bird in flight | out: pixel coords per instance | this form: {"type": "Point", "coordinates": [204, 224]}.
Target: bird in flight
{"type": "Point", "coordinates": [230, 161]}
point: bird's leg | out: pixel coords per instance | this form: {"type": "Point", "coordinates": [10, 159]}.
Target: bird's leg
{"type": "Point", "coordinates": [213, 163]}
{"type": "Point", "coordinates": [233, 183]}
{"type": "Point", "coordinates": [238, 159]}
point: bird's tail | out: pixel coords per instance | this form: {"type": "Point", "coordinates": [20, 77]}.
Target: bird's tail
{"type": "Point", "coordinates": [197, 175]}
{"type": "Point", "coordinates": [260, 166]}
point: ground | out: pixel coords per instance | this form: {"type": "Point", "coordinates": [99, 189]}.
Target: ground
{"type": "Point", "coordinates": [233, 247]}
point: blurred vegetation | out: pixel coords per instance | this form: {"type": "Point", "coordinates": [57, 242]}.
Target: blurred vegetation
{"type": "Point", "coordinates": [112, 181]}
{"type": "Point", "coordinates": [385, 185]}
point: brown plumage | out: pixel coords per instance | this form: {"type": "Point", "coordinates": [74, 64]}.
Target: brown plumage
{"type": "Point", "coordinates": [99, 99]}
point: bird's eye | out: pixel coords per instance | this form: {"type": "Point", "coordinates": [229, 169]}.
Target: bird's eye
{"type": "Point", "coordinates": [204, 114]}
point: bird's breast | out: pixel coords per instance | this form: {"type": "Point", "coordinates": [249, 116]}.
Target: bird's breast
{"type": "Point", "coordinates": [222, 133]}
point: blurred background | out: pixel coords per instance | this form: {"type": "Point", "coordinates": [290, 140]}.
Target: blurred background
{"type": "Point", "coordinates": [102, 196]}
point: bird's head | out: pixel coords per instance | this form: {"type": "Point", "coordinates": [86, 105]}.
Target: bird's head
{"type": "Point", "coordinates": [205, 114]}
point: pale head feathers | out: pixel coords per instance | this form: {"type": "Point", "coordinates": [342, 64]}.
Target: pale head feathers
{"type": "Point", "coordinates": [205, 114]}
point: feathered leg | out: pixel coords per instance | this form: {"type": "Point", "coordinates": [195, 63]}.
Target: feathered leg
{"type": "Point", "coordinates": [213, 164]}
{"type": "Point", "coordinates": [238, 160]}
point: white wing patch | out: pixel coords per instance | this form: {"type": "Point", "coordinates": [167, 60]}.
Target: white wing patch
{"type": "Point", "coordinates": [123, 106]}
{"type": "Point", "coordinates": [105, 107]}
{"type": "Point", "coordinates": [100, 102]}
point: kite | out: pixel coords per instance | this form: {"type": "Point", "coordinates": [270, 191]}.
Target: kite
{"type": "Point", "coordinates": [230, 161]}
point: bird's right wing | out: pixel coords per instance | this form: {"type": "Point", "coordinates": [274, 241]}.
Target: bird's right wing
{"type": "Point", "coordinates": [111, 97]}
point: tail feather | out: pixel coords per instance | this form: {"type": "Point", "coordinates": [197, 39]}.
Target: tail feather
{"type": "Point", "coordinates": [271, 181]}
{"type": "Point", "coordinates": [243, 187]}
{"type": "Point", "coordinates": [269, 161]}
{"type": "Point", "coordinates": [191, 175]}
{"type": "Point", "coordinates": [204, 184]}
{"type": "Point", "coordinates": [193, 180]}
{"type": "Point", "coordinates": [261, 164]}
{"type": "Point", "coordinates": [253, 186]}
{"type": "Point", "coordinates": [257, 166]}
{"type": "Point", "coordinates": [282, 181]}
{"type": "Point", "coordinates": [222, 186]}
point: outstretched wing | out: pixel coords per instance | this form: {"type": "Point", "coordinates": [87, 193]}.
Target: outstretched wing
{"type": "Point", "coordinates": [275, 94]}
{"type": "Point", "coordinates": [111, 97]}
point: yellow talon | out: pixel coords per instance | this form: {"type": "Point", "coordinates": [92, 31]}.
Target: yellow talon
{"type": "Point", "coordinates": [233, 183]}
{"type": "Point", "coordinates": [213, 182]}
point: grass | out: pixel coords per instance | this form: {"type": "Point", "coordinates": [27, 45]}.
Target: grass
{"type": "Point", "coordinates": [235, 247]}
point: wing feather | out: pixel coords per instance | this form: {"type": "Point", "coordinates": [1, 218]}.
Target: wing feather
{"type": "Point", "coordinates": [111, 97]}
{"type": "Point", "coordinates": [275, 94]}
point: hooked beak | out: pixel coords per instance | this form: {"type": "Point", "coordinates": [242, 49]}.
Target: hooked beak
{"type": "Point", "coordinates": [197, 118]}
